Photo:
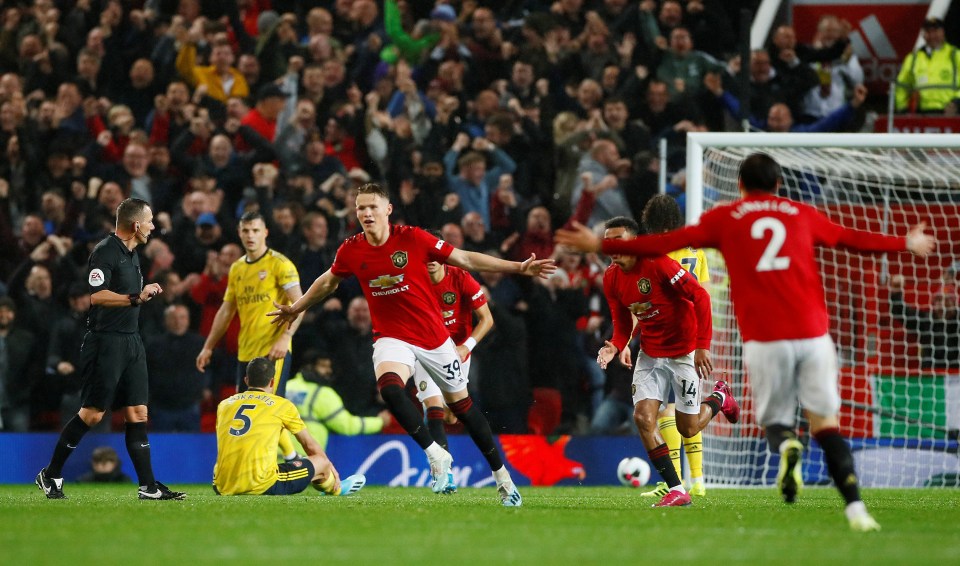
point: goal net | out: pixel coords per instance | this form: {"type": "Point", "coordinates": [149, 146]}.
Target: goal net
{"type": "Point", "coordinates": [901, 404]}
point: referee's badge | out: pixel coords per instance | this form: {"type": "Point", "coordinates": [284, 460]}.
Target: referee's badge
{"type": "Point", "coordinates": [449, 298]}
{"type": "Point", "coordinates": [262, 275]}
{"type": "Point", "coordinates": [643, 285]}
{"type": "Point", "coordinates": [423, 386]}
{"type": "Point", "coordinates": [399, 259]}
{"type": "Point", "coordinates": [96, 278]}
{"type": "Point", "coordinates": [633, 389]}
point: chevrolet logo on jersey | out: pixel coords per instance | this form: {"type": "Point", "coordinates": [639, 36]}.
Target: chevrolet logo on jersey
{"type": "Point", "coordinates": [399, 259]}
{"type": "Point", "coordinates": [638, 309]}
{"type": "Point", "coordinates": [447, 314]}
{"type": "Point", "coordinates": [449, 298]}
{"type": "Point", "coordinates": [386, 281]}
{"type": "Point", "coordinates": [644, 285]}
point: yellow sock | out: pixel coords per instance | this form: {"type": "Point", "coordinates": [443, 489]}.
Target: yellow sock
{"type": "Point", "coordinates": [694, 449]}
{"type": "Point", "coordinates": [326, 486]}
{"type": "Point", "coordinates": [286, 444]}
{"type": "Point", "coordinates": [670, 434]}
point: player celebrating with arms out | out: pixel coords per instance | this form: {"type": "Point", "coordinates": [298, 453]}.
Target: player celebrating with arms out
{"type": "Point", "coordinates": [769, 244]}
{"type": "Point", "coordinates": [390, 262]}
{"type": "Point", "coordinates": [459, 296]}
{"type": "Point", "coordinates": [675, 323]}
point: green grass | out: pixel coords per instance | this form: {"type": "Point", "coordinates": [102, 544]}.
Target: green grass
{"type": "Point", "coordinates": [384, 526]}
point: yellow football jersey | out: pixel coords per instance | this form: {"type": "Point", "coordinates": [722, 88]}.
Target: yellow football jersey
{"type": "Point", "coordinates": [254, 286]}
{"type": "Point", "coordinates": [694, 261]}
{"type": "Point", "coordinates": [248, 430]}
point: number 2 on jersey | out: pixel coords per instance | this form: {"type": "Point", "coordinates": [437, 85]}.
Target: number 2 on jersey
{"type": "Point", "coordinates": [770, 261]}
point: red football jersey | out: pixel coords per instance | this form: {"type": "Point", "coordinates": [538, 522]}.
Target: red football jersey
{"type": "Point", "coordinates": [395, 281]}
{"type": "Point", "coordinates": [768, 244]}
{"type": "Point", "coordinates": [672, 309]}
{"type": "Point", "coordinates": [458, 295]}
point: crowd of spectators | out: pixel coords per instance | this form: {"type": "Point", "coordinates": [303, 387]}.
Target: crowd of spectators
{"type": "Point", "coordinates": [486, 120]}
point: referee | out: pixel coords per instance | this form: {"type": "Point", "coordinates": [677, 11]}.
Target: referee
{"type": "Point", "coordinates": [112, 360]}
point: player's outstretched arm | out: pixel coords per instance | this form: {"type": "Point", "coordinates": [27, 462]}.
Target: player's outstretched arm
{"type": "Point", "coordinates": [473, 261]}
{"type": "Point", "coordinates": [578, 236]}
{"type": "Point", "coordinates": [318, 291]}
{"type": "Point", "coordinates": [919, 243]}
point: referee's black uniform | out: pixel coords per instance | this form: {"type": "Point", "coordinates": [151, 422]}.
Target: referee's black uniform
{"type": "Point", "coordinates": [113, 363]}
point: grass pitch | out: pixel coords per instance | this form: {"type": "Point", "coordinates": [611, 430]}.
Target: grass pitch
{"type": "Point", "coordinates": [569, 525]}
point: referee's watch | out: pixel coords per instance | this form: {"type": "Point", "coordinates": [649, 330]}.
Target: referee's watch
{"type": "Point", "coordinates": [134, 299]}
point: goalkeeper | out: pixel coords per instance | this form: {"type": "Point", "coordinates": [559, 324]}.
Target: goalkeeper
{"type": "Point", "coordinates": [321, 408]}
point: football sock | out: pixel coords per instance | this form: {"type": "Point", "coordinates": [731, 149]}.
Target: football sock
{"type": "Point", "coordinates": [501, 475]}
{"type": "Point", "coordinates": [69, 439]}
{"type": "Point", "coordinates": [435, 425]}
{"type": "Point", "coordinates": [479, 429]}
{"type": "Point", "coordinates": [138, 447]}
{"type": "Point", "coordinates": [714, 401]}
{"type": "Point", "coordinates": [693, 447]}
{"type": "Point", "coordinates": [326, 485]}
{"type": "Point", "coordinates": [670, 434]}
{"type": "Point", "coordinates": [660, 457]}
{"type": "Point", "coordinates": [839, 459]}
{"type": "Point", "coordinates": [777, 435]}
{"type": "Point", "coordinates": [391, 389]}
{"type": "Point", "coordinates": [286, 446]}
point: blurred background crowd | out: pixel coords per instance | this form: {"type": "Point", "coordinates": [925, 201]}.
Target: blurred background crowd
{"type": "Point", "coordinates": [486, 120]}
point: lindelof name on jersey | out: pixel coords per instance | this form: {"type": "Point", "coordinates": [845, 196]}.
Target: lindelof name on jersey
{"type": "Point", "coordinates": [388, 284]}
{"type": "Point", "coordinates": [748, 206]}
{"type": "Point", "coordinates": [250, 296]}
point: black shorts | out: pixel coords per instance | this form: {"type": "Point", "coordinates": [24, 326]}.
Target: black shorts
{"type": "Point", "coordinates": [294, 477]}
{"type": "Point", "coordinates": [113, 367]}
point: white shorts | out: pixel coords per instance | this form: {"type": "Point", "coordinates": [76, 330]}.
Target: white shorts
{"type": "Point", "coordinates": [786, 372]}
{"type": "Point", "coordinates": [441, 364]}
{"type": "Point", "coordinates": [653, 378]}
{"type": "Point", "coordinates": [426, 388]}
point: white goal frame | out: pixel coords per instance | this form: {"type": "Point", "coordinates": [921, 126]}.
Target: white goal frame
{"type": "Point", "coordinates": [698, 192]}
{"type": "Point", "coordinates": [698, 141]}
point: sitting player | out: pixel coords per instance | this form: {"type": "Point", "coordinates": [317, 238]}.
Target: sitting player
{"type": "Point", "coordinates": [249, 425]}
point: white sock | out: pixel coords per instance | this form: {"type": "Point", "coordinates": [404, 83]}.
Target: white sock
{"type": "Point", "coordinates": [679, 488]}
{"type": "Point", "coordinates": [502, 475]}
{"type": "Point", "coordinates": [855, 509]}
{"type": "Point", "coordinates": [290, 456]}
{"type": "Point", "coordinates": [434, 451]}
{"type": "Point", "coordinates": [694, 481]}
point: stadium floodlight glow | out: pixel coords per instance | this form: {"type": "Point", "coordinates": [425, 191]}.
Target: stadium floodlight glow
{"type": "Point", "coordinates": [901, 409]}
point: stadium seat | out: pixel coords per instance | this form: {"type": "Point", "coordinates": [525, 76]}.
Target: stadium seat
{"type": "Point", "coordinates": [544, 416]}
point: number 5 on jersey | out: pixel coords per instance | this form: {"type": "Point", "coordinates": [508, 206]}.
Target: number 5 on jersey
{"type": "Point", "coordinates": [244, 419]}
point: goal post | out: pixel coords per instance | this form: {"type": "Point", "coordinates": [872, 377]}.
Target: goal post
{"type": "Point", "coordinates": [901, 404]}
